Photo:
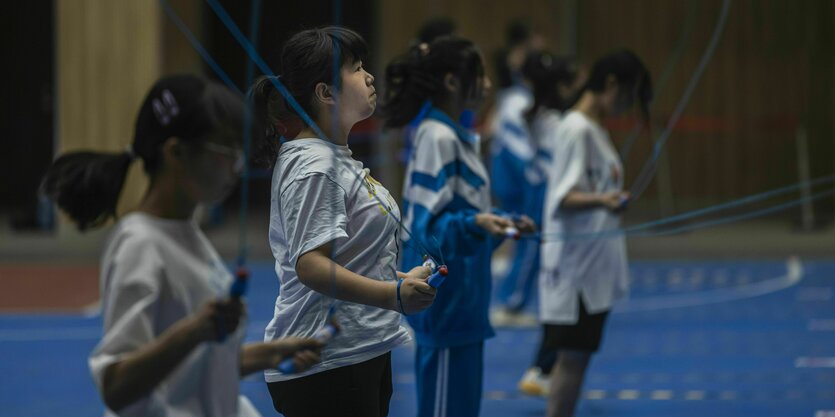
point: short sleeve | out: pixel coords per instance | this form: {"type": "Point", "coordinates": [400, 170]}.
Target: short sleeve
{"type": "Point", "coordinates": [568, 166]}
{"type": "Point", "coordinates": [313, 213]}
{"type": "Point", "coordinates": [132, 283]}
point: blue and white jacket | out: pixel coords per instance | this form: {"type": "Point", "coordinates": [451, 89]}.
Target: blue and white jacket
{"type": "Point", "coordinates": [446, 185]}
{"type": "Point", "coordinates": [512, 151]}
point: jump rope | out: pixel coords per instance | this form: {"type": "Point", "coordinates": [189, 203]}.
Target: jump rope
{"type": "Point", "coordinates": [331, 327]}
{"type": "Point", "coordinates": [647, 172]}
{"type": "Point", "coordinates": [439, 270]}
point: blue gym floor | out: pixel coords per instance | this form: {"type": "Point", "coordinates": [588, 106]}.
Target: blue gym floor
{"type": "Point", "coordinates": [695, 339]}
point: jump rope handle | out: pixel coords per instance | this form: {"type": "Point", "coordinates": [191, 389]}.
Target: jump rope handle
{"type": "Point", "coordinates": [512, 232]}
{"type": "Point", "coordinates": [238, 288]}
{"type": "Point", "coordinates": [323, 335]}
{"type": "Point", "coordinates": [439, 273]}
{"type": "Point", "coordinates": [236, 291]}
{"type": "Point", "coordinates": [624, 203]}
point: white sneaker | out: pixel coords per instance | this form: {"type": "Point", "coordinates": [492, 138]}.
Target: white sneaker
{"type": "Point", "coordinates": [534, 383]}
{"type": "Point", "coordinates": [503, 317]}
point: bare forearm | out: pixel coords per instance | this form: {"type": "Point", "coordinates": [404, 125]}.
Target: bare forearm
{"type": "Point", "coordinates": [578, 200]}
{"type": "Point", "coordinates": [256, 357]}
{"type": "Point", "coordinates": [138, 374]}
{"type": "Point", "coordinates": [323, 275]}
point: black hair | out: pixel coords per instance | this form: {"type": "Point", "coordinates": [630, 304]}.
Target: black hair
{"type": "Point", "coordinates": [629, 72]}
{"type": "Point", "coordinates": [418, 76]}
{"type": "Point", "coordinates": [517, 32]}
{"type": "Point", "coordinates": [307, 59]}
{"type": "Point", "coordinates": [546, 71]}
{"type": "Point", "coordinates": [86, 184]}
{"type": "Point", "coordinates": [435, 28]}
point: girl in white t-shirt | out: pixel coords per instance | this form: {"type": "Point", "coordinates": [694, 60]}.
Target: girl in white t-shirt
{"type": "Point", "coordinates": [333, 232]}
{"type": "Point", "coordinates": [172, 336]}
{"type": "Point", "coordinates": [556, 82]}
{"type": "Point", "coordinates": [581, 278]}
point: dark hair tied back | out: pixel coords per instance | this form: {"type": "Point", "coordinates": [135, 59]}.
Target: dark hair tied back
{"type": "Point", "coordinates": [307, 59]}
{"type": "Point", "coordinates": [418, 75]}
{"type": "Point", "coordinates": [546, 72]}
{"type": "Point", "coordinates": [86, 185]}
{"type": "Point", "coordinates": [630, 73]}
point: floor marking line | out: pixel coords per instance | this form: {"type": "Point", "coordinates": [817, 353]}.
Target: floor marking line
{"type": "Point", "coordinates": [794, 274]}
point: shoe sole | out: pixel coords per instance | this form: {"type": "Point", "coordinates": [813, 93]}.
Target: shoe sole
{"type": "Point", "coordinates": [532, 389]}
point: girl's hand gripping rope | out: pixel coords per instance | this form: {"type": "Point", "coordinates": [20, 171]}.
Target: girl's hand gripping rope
{"type": "Point", "coordinates": [522, 224]}
{"type": "Point", "coordinates": [306, 350]}
{"type": "Point", "coordinates": [439, 273]}
{"type": "Point", "coordinates": [217, 318]}
{"type": "Point", "coordinates": [616, 201]}
{"type": "Point", "coordinates": [512, 233]}
{"type": "Point", "coordinates": [414, 293]}
{"type": "Point", "coordinates": [495, 225]}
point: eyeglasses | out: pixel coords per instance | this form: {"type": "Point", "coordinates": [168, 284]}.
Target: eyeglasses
{"type": "Point", "coordinates": [237, 154]}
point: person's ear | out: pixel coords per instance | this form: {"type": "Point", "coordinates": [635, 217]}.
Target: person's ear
{"type": "Point", "coordinates": [611, 84]}
{"type": "Point", "coordinates": [451, 83]}
{"type": "Point", "coordinates": [324, 94]}
{"type": "Point", "coordinates": [173, 152]}
{"type": "Point", "coordinates": [564, 91]}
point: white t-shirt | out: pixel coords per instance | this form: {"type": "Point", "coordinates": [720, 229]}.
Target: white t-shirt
{"type": "Point", "coordinates": [542, 131]}
{"type": "Point", "coordinates": [321, 194]}
{"type": "Point", "coordinates": [572, 264]}
{"type": "Point", "coordinates": [155, 272]}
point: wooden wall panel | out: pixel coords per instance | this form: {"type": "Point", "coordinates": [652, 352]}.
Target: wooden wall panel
{"type": "Point", "coordinates": [108, 55]}
{"type": "Point", "coordinates": [738, 132]}
{"type": "Point", "coordinates": [772, 72]}
{"type": "Point", "coordinates": [482, 21]}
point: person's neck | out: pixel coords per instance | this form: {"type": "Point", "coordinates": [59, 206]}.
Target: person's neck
{"type": "Point", "coordinates": [165, 200]}
{"type": "Point", "coordinates": [452, 109]}
{"type": "Point", "coordinates": [340, 137]}
{"type": "Point", "coordinates": [589, 106]}
{"type": "Point", "coordinates": [334, 132]}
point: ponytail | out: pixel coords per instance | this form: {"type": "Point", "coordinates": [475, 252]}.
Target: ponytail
{"type": "Point", "coordinates": [546, 72]}
{"type": "Point", "coordinates": [307, 59]}
{"type": "Point", "coordinates": [418, 76]}
{"type": "Point", "coordinates": [407, 87]}
{"type": "Point", "coordinates": [87, 185]}
{"type": "Point", "coordinates": [273, 117]}
{"type": "Point", "coordinates": [630, 73]}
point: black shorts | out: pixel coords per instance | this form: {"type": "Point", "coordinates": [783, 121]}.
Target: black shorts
{"type": "Point", "coordinates": [585, 335]}
{"type": "Point", "coordinates": [359, 390]}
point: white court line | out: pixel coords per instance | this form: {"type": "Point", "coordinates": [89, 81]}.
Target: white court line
{"type": "Point", "coordinates": [629, 394]}
{"type": "Point", "coordinates": [727, 395]}
{"type": "Point", "coordinates": [255, 328]}
{"type": "Point", "coordinates": [794, 273]}
{"type": "Point", "coordinates": [61, 333]}
{"type": "Point", "coordinates": [814, 362]}
{"type": "Point", "coordinates": [694, 395]}
{"type": "Point", "coordinates": [595, 394]}
{"type": "Point", "coordinates": [821, 325]}
{"type": "Point", "coordinates": [661, 395]}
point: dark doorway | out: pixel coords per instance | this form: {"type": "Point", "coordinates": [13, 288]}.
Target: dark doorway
{"type": "Point", "coordinates": [27, 108]}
